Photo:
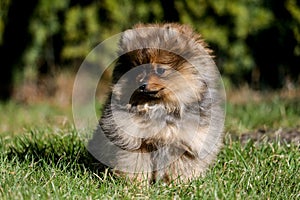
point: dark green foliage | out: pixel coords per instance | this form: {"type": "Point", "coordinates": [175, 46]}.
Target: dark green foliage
{"type": "Point", "coordinates": [254, 41]}
{"type": "Point", "coordinates": [14, 39]}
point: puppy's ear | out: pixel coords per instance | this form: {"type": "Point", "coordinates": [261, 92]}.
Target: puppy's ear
{"type": "Point", "coordinates": [126, 40]}
{"type": "Point", "coordinates": [140, 37]}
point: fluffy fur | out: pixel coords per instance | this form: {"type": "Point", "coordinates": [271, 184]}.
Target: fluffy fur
{"type": "Point", "coordinates": [163, 119]}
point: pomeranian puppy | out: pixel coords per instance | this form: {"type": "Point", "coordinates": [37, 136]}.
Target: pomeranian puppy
{"type": "Point", "coordinates": [163, 119]}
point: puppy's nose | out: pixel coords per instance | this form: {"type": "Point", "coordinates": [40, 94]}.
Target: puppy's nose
{"type": "Point", "coordinates": [143, 87]}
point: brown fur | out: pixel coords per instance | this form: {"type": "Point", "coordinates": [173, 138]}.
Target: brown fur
{"type": "Point", "coordinates": [174, 133]}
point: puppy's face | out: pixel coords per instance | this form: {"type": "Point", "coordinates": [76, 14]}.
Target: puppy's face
{"type": "Point", "coordinates": [152, 76]}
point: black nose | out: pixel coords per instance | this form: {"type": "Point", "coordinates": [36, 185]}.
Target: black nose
{"type": "Point", "coordinates": [143, 87]}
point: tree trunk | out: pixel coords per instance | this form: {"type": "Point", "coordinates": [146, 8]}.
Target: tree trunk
{"type": "Point", "coordinates": [15, 40]}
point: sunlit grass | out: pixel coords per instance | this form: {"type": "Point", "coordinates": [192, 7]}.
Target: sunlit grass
{"type": "Point", "coordinates": [15, 117]}
{"type": "Point", "coordinates": [44, 157]}
{"type": "Point", "coordinates": [44, 164]}
{"type": "Point", "coordinates": [271, 114]}
{"type": "Point", "coordinates": [240, 117]}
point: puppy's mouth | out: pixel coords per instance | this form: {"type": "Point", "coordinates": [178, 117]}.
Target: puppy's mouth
{"type": "Point", "coordinates": [153, 93]}
{"type": "Point", "coordinates": [150, 97]}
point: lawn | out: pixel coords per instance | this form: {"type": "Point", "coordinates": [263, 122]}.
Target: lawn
{"type": "Point", "coordinates": [43, 157]}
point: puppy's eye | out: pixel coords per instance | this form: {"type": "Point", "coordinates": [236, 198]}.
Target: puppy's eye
{"type": "Point", "coordinates": [160, 71]}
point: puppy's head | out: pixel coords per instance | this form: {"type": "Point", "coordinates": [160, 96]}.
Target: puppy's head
{"type": "Point", "coordinates": [157, 66]}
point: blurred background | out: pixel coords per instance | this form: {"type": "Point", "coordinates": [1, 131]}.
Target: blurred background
{"type": "Point", "coordinates": [43, 43]}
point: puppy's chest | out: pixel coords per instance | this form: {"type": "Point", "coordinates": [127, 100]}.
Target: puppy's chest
{"type": "Point", "coordinates": [155, 114]}
{"type": "Point", "coordinates": [154, 120]}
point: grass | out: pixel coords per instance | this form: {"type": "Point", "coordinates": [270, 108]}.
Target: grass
{"type": "Point", "coordinates": [37, 166]}
{"type": "Point", "coordinates": [15, 117]}
{"type": "Point", "coordinates": [270, 114]}
{"type": "Point", "coordinates": [43, 157]}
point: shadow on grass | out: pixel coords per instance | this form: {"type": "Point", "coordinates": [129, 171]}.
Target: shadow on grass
{"type": "Point", "coordinates": [64, 151]}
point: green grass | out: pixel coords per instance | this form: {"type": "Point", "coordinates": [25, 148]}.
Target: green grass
{"type": "Point", "coordinates": [271, 114]}
{"type": "Point", "coordinates": [15, 117]}
{"type": "Point", "coordinates": [43, 158]}
{"type": "Point", "coordinates": [45, 164]}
